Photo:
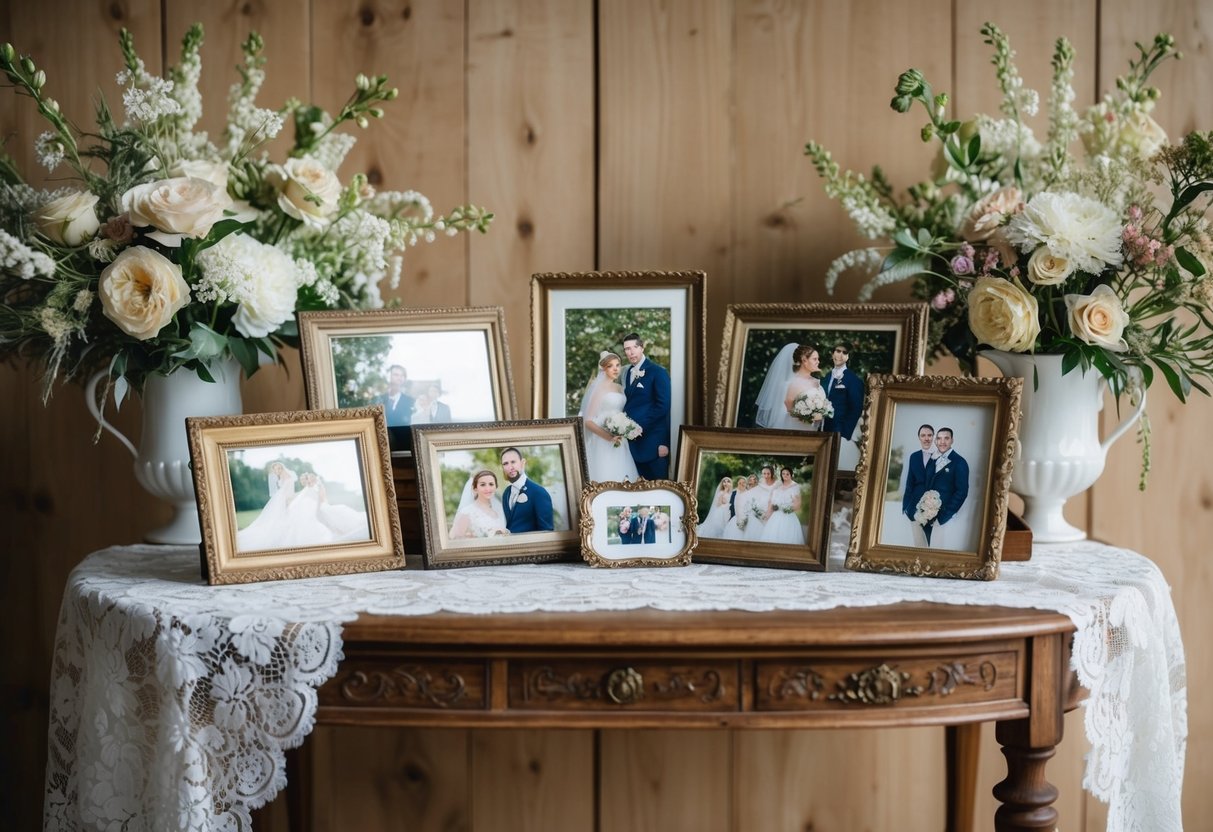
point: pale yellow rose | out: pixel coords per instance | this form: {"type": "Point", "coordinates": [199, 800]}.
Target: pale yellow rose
{"type": "Point", "coordinates": [990, 212]}
{"type": "Point", "coordinates": [1099, 318]}
{"type": "Point", "coordinates": [183, 206]}
{"type": "Point", "coordinates": [141, 291]}
{"type": "Point", "coordinates": [69, 220]}
{"type": "Point", "coordinates": [1003, 315]}
{"type": "Point", "coordinates": [1045, 269]}
{"type": "Point", "coordinates": [308, 190]}
{"type": "Point", "coordinates": [1142, 133]}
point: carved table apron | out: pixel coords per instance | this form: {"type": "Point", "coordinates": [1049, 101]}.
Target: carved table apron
{"type": "Point", "coordinates": [896, 665]}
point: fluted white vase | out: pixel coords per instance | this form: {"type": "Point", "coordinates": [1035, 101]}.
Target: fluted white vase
{"type": "Point", "coordinates": [162, 458]}
{"type": "Point", "coordinates": [1060, 453]}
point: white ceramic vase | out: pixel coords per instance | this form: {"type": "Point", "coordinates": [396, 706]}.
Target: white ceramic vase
{"type": "Point", "coordinates": [1060, 453]}
{"type": "Point", "coordinates": [162, 459]}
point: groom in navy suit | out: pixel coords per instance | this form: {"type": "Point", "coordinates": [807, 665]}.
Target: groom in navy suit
{"type": "Point", "coordinates": [845, 391]}
{"type": "Point", "coordinates": [646, 528]}
{"type": "Point", "coordinates": [647, 388]}
{"type": "Point", "coordinates": [919, 466]}
{"type": "Point", "coordinates": [949, 475]}
{"type": "Point", "coordinates": [527, 504]}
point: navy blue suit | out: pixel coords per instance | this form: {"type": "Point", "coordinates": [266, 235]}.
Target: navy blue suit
{"type": "Point", "coordinates": [846, 395]}
{"type": "Point", "coordinates": [402, 414]}
{"type": "Point", "coordinates": [951, 480]}
{"type": "Point", "coordinates": [648, 404]}
{"type": "Point", "coordinates": [916, 483]}
{"type": "Point", "coordinates": [533, 514]}
{"type": "Point", "coordinates": [627, 529]}
{"type": "Point", "coordinates": [648, 534]}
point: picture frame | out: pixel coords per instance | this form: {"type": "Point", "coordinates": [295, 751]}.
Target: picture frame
{"type": "Point", "coordinates": [758, 337]}
{"type": "Point", "coordinates": [355, 358]}
{"type": "Point", "coordinates": [788, 527]}
{"type": "Point", "coordinates": [934, 478]}
{"type": "Point", "coordinates": [578, 317]}
{"type": "Point", "coordinates": [467, 522]}
{"type": "Point", "coordinates": [294, 495]}
{"type": "Point", "coordinates": [626, 524]}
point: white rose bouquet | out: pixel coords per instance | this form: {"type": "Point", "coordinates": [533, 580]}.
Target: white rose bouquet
{"type": "Point", "coordinates": [928, 508]}
{"type": "Point", "coordinates": [811, 404]}
{"type": "Point", "coordinates": [621, 426]}
{"type": "Point", "coordinates": [1022, 247]}
{"type": "Point", "coordinates": [167, 249]}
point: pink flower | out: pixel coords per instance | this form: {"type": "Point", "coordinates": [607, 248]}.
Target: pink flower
{"type": "Point", "coordinates": [119, 229]}
{"type": "Point", "coordinates": [943, 300]}
{"type": "Point", "coordinates": [962, 264]}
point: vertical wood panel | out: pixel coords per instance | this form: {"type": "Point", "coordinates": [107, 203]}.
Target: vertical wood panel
{"type": "Point", "coordinates": [533, 781]}
{"type": "Point", "coordinates": [655, 781]}
{"type": "Point", "coordinates": [530, 154]}
{"type": "Point", "coordinates": [1172, 522]}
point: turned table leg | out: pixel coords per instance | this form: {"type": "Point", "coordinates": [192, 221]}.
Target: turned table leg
{"type": "Point", "coordinates": [963, 743]}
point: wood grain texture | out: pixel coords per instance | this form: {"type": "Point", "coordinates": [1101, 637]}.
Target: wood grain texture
{"type": "Point", "coordinates": [530, 154]}
{"type": "Point", "coordinates": [533, 781]}
{"type": "Point", "coordinates": [652, 781]}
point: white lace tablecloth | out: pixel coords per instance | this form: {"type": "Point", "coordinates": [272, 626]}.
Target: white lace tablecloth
{"type": "Point", "coordinates": [172, 702]}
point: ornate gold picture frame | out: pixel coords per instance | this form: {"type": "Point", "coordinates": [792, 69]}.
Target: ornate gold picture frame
{"type": "Point", "coordinates": [649, 523]}
{"type": "Point", "coordinates": [578, 319]}
{"type": "Point", "coordinates": [757, 360]}
{"type": "Point", "coordinates": [782, 518]}
{"type": "Point", "coordinates": [935, 474]}
{"type": "Point", "coordinates": [294, 495]}
{"type": "Point", "coordinates": [435, 366]}
{"type": "Point", "coordinates": [497, 493]}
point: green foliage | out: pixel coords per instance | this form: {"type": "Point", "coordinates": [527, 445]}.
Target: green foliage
{"type": "Point", "coordinates": [360, 368]}
{"type": "Point", "coordinates": [896, 466]}
{"type": "Point", "coordinates": [587, 332]}
{"type": "Point", "coordinates": [250, 486]}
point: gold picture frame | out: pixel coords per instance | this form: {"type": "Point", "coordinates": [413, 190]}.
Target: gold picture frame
{"type": "Point", "coordinates": [648, 523]}
{"type": "Point", "coordinates": [576, 317]}
{"type": "Point", "coordinates": [738, 530]}
{"type": "Point", "coordinates": [466, 523]}
{"type": "Point", "coordinates": [882, 337]}
{"type": "Point", "coordinates": [449, 365]}
{"type": "Point", "coordinates": [294, 495]}
{"type": "Point", "coordinates": [958, 532]}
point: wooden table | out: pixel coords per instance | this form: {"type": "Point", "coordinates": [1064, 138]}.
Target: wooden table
{"type": "Point", "coordinates": [875, 667]}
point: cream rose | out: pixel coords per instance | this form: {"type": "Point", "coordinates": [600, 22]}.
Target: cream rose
{"type": "Point", "coordinates": [1143, 134]}
{"type": "Point", "coordinates": [181, 207]}
{"type": "Point", "coordinates": [1003, 315]}
{"type": "Point", "coordinates": [1046, 269]}
{"type": "Point", "coordinates": [990, 212]}
{"type": "Point", "coordinates": [69, 220]}
{"type": "Point", "coordinates": [141, 291]}
{"type": "Point", "coordinates": [1099, 318]}
{"type": "Point", "coordinates": [308, 190]}
{"type": "Point", "coordinates": [213, 172]}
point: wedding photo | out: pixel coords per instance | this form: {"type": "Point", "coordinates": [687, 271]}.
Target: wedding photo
{"type": "Point", "coordinates": [499, 492]}
{"type": "Point", "coordinates": [638, 525]}
{"type": "Point", "coordinates": [297, 495]}
{"type": "Point", "coordinates": [627, 524]}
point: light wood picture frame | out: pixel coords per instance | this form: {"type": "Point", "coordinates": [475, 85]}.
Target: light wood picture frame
{"type": "Point", "coordinates": [531, 511]}
{"type": "Point", "coordinates": [576, 317]}
{"type": "Point", "coordinates": [758, 340]}
{"type": "Point", "coordinates": [933, 482]}
{"type": "Point", "coordinates": [441, 365]}
{"type": "Point", "coordinates": [768, 523]}
{"type": "Point", "coordinates": [648, 523]}
{"type": "Point", "coordinates": [294, 495]}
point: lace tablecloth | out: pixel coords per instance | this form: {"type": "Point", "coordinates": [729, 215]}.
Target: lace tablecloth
{"type": "Point", "coordinates": [172, 702]}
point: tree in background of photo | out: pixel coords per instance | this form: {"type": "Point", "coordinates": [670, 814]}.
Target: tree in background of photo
{"type": "Point", "coordinates": [713, 467]}
{"type": "Point", "coordinates": [871, 352]}
{"type": "Point", "coordinates": [587, 332]}
{"type": "Point", "coordinates": [360, 367]}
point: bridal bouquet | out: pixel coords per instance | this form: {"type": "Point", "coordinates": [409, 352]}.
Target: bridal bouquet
{"type": "Point", "coordinates": [811, 404]}
{"type": "Point", "coordinates": [1021, 246]}
{"type": "Point", "coordinates": [621, 426]}
{"type": "Point", "coordinates": [168, 248]}
{"type": "Point", "coordinates": [928, 508]}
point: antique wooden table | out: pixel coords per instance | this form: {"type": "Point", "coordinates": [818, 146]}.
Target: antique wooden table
{"type": "Point", "coordinates": [874, 667]}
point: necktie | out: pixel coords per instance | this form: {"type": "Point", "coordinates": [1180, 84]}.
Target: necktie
{"type": "Point", "coordinates": [513, 494]}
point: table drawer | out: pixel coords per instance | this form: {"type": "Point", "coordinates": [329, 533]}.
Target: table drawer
{"type": "Point", "coordinates": [424, 683]}
{"type": "Point", "coordinates": [812, 684]}
{"type": "Point", "coordinates": [624, 686]}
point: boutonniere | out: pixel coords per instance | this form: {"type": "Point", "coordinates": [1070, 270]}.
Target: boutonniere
{"type": "Point", "coordinates": [638, 374]}
{"type": "Point", "coordinates": [522, 498]}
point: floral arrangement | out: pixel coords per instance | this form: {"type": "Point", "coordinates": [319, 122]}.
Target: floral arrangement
{"type": "Point", "coordinates": [1022, 247]}
{"type": "Point", "coordinates": [170, 249]}
{"type": "Point", "coordinates": [812, 406]}
{"type": "Point", "coordinates": [928, 508]}
{"type": "Point", "coordinates": [621, 426]}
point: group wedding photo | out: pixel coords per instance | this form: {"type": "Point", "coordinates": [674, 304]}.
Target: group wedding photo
{"type": "Point", "coordinates": [638, 525]}
{"type": "Point", "coordinates": [633, 524]}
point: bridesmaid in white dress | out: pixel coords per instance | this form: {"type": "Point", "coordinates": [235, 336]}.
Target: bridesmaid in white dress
{"type": "Point", "coordinates": [607, 456]}
{"type": "Point", "coordinates": [760, 504]}
{"type": "Point", "coordinates": [791, 374]}
{"type": "Point", "coordinates": [302, 526]}
{"type": "Point", "coordinates": [265, 532]}
{"type": "Point", "coordinates": [783, 520]}
{"type": "Point", "coordinates": [718, 514]}
{"type": "Point", "coordinates": [734, 528]}
{"type": "Point", "coordinates": [480, 513]}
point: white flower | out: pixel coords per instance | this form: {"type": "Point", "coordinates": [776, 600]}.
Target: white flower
{"type": "Point", "coordinates": [49, 150]}
{"type": "Point", "coordinates": [233, 691]}
{"type": "Point", "coordinates": [261, 279]}
{"type": "Point", "coordinates": [308, 190]}
{"type": "Point", "coordinates": [182, 206]}
{"type": "Point", "coordinates": [1046, 269]}
{"type": "Point", "coordinates": [1003, 315]}
{"type": "Point", "coordinates": [141, 291]}
{"type": "Point", "coordinates": [69, 220]}
{"type": "Point", "coordinates": [928, 508]}
{"type": "Point", "coordinates": [254, 637]}
{"type": "Point", "coordinates": [1082, 231]}
{"type": "Point", "coordinates": [1099, 318]}
{"type": "Point", "coordinates": [19, 259]}
{"type": "Point", "coordinates": [812, 404]}
{"type": "Point", "coordinates": [213, 172]}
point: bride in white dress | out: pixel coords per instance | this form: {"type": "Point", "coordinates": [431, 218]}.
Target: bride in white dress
{"type": "Point", "coordinates": [480, 513]}
{"type": "Point", "coordinates": [791, 374]}
{"type": "Point", "coordinates": [347, 524]}
{"type": "Point", "coordinates": [718, 514]}
{"type": "Point", "coordinates": [783, 521]}
{"type": "Point", "coordinates": [608, 458]}
{"type": "Point", "coordinates": [302, 526]}
{"type": "Point", "coordinates": [266, 529]}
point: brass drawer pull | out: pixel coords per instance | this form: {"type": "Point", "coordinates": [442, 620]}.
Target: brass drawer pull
{"type": "Point", "coordinates": [625, 686]}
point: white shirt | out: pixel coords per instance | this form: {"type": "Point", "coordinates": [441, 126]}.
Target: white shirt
{"type": "Point", "coordinates": [632, 370]}
{"type": "Point", "coordinates": [516, 489]}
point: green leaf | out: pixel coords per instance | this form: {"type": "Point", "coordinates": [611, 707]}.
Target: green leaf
{"type": "Point", "coordinates": [1187, 195]}
{"type": "Point", "coordinates": [205, 343]}
{"type": "Point", "coordinates": [121, 388]}
{"type": "Point", "coordinates": [1189, 261]}
{"type": "Point", "coordinates": [203, 372]}
{"type": "Point", "coordinates": [1172, 378]}
{"type": "Point", "coordinates": [974, 147]}
{"type": "Point", "coordinates": [289, 329]}
{"type": "Point", "coordinates": [950, 127]}
{"type": "Point", "coordinates": [245, 353]}
{"type": "Point", "coordinates": [1147, 375]}
{"type": "Point", "coordinates": [1070, 360]}
{"type": "Point", "coordinates": [924, 238]}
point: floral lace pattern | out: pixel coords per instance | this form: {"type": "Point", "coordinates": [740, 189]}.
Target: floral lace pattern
{"type": "Point", "coordinates": [172, 702]}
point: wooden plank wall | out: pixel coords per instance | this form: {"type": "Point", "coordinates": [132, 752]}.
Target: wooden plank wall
{"type": "Point", "coordinates": [613, 134]}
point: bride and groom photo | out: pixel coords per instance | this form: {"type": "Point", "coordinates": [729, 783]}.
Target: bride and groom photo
{"type": "Point", "coordinates": [500, 492]}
